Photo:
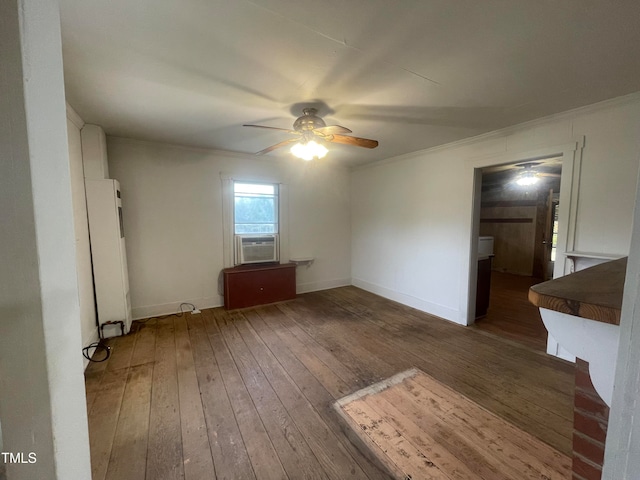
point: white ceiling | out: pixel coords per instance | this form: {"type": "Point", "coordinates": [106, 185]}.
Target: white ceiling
{"type": "Point", "coordinates": [411, 74]}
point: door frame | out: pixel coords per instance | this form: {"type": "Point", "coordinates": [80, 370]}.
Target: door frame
{"type": "Point", "coordinates": [571, 154]}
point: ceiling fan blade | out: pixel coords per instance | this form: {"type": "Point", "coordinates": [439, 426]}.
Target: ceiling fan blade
{"type": "Point", "coordinates": [356, 141]}
{"type": "Point", "coordinates": [332, 130]}
{"type": "Point", "coordinates": [273, 128]}
{"type": "Point", "coordinates": [277, 145]}
{"type": "Point", "coordinates": [545, 174]}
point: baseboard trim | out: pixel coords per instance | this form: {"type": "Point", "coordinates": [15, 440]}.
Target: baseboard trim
{"type": "Point", "coordinates": [431, 308]}
{"type": "Point", "coordinates": [148, 311]}
{"type": "Point", "coordinates": [323, 285]}
{"type": "Point", "coordinates": [174, 307]}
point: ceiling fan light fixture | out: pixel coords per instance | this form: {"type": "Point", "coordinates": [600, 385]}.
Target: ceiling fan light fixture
{"type": "Point", "coordinates": [527, 179]}
{"type": "Point", "coordinates": [309, 150]}
{"type": "Point", "coordinates": [309, 128]}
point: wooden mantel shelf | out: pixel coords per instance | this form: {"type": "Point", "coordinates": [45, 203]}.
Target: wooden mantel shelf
{"type": "Point", "coordinates": [594, 293]}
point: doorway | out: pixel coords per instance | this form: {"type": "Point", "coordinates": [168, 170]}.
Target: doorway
{"type": "Point", "coordinates": [519, 210]}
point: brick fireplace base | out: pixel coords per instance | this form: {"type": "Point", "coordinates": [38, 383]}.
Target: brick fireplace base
{"type": "Point", "coordinates": [590, 420]}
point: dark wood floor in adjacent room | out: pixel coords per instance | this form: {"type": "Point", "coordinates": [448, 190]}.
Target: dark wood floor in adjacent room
{"type": "Point", "coordinates": [510, 314]}
{"type": "Point", "coordinates": [249, 394]}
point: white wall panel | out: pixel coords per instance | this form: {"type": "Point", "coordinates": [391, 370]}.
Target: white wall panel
{"type": "Point", "coordinates": [42, 402]}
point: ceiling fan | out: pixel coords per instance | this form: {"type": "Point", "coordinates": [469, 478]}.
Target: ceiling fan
{"type": "Point", "coordinates": [530, 175]}
{"type": "Point", "coordinates": [541, 170]}
{"type": "Point", "coordinates": [310, 127]}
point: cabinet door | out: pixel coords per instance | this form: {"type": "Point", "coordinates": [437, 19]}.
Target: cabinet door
{"type": "Point", "coordinates": [259, 286]}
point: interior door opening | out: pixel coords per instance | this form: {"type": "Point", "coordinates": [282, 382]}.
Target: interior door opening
{"type": "Point", "coordinates": [518, 215]}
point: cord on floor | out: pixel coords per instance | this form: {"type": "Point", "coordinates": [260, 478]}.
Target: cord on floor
{"type": "Point", "coordinates": [99, 345]}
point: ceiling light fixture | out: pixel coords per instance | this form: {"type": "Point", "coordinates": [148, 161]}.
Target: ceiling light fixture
{"type": "Point", "coordinates": [527, 179]}
{"type": "Point", "coordinates": [309, 150]}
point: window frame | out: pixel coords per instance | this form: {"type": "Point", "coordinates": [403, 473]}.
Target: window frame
{"type": "Point", "coordinates": [276, 195]}
{"type": "Point", "coordinates": [228, 225]}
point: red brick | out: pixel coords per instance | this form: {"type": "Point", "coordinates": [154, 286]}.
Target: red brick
{"type": "Point", "coordinates": [591, 405]}
{"type": "Point", "coordinates": [583, 380]}
{"type": "Point", "coordinates": [589, 427]}
{"type": "Point", "coordinates": [588, 449]}
{"type": "Point", "coordinates": [585, 470]}
{"type": "Point", "coordinates": [582, 365]}
{"type": "Point", "coordinates": [590, 419]}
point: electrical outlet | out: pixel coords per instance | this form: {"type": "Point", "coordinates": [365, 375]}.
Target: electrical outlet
{"type": "Point", "coordinates": [195, 311]}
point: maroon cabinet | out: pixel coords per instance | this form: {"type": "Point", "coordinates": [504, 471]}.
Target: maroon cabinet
{"type": "Point", "coordinates": [249, 285]}
{"type": "Point", "coordinates": [483, 290]}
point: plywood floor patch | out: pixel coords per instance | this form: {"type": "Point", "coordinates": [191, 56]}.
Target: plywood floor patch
{"type": "Point", "coordinates": [422, 429]}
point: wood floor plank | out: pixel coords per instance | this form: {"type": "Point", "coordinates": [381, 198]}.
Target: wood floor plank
{"type": "Point", "coordinates": [230, 457]}
{"type": "Point", "coordinates": [434, 451]}
{"type": "Point", "coordinates": [546, 369]}
{"type": "Point", "coordinates": [132, 432]}
{"type": "Point", "coordinates": [394, 315]}
{"type": "Point", "coordinates": [512, 452]}
{"type": "Point", "coordinates": [103, 419]}
{"type": "Point", "coordinates": [423, 343]}
{"type": "Point", "coordinates": [264, 458]}
{"type": "Point", "coordinates": [288, 341]}
{"type": "Point", "coordinates": [347, 349]}
{"type": "Point", "coordinates": [119, 399]}
{"type": "Point", "coordinates": [145, 348]}
{"type": "Point", "coordinates": [164, 451]}
{"type": "Point", "coordinates": [510, 313]}
{"type": "Point", "coordinates": [92, 381]}
{"type": "Point", "coordinates": [495, 391]}
{"type": "Point", "coordinates": [196, 450]}
{"type": "Point", "coordinates": [550, 370]}
{"type": "Point", "coordinates": [295, 454]}
{"type": "Point", "coordinates": [315, 393]}
{"type": "Point", "coordinates": [326, 355]}
{"type": "Point", "coordinates": [452, 432]}
{"type": "Point", "coordinates": [465, 413]}
{"type": "Point", "coordinates": [121, 351]}
{"type": "Point", "coordinates": [397, 447]}
{"type": "Point", "coordinates": [473, 454]}
{"type": "Point", "coordinates": [329, 451]}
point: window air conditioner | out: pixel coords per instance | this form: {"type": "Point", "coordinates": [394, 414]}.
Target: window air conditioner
{"type": "Point", "coordinates": [256, 249]}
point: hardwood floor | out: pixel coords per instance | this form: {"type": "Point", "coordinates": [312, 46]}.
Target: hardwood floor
{"type": "Point", "coordinates": [510, 314]}
{"type": "Point", "coordinates": [423, 429]}
{"type": "Point", "coordinates": [249, 394]}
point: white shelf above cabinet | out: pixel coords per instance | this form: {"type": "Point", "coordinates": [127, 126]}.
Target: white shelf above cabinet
{"type": "Point", "coordinates": [308, 261]}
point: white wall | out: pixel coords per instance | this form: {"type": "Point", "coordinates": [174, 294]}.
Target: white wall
{"type": "Point", "coordinates": [42, 401]}
{"type": "Point", "coordinates": [88, 330]}
{"type": "Point", "coordinates": [412, 215]}
{"type": "Point", "coordinates": [622, 454]}
{"type": "Point", "coordinates": [172, 203]}
{"type": "Point", "coordinates": [407, 233]}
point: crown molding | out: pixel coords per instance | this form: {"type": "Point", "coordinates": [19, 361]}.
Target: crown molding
{"type": "Point", "coordinates": [503, 132]}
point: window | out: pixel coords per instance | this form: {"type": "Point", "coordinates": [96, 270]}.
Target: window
{"type": "Point", "coordinates": [252, 209]}
{"type": "Point", "coordinates": [255, 209]}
